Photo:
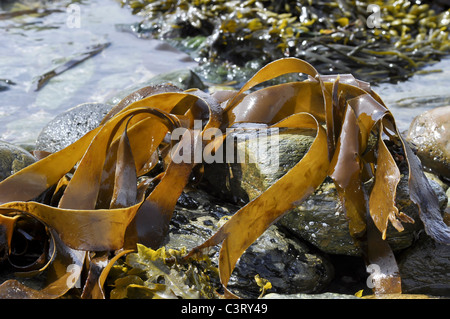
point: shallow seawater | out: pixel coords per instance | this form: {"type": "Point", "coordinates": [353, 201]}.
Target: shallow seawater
{"type": "Point", "coordinates": [420, 93]}
{"type": "Point", "coordinates": [31, 46]}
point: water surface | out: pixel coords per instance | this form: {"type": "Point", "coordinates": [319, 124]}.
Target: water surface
{"type": "Point", "coordinates": [33, 45]}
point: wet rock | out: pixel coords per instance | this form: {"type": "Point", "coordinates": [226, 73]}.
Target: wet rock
{"type": "Point", "coordinates": [320, 219]}
{"type": "Point", "coordinates": [184, 79]}
{"type": "Point", "coordinates": [12, 159]}
{"type": "Point", "coordinates": [70, 126]}
{"type": "Point", "coordinates": [430, 132]}
{"type": "Point", "coordinates": [287, 263]}
{"type": "Point", "coordinates": [425, 268]}
{"type": "Point", "coordinates": [447, 210]}
{"type": "Point", "coordinates": [241, 182]}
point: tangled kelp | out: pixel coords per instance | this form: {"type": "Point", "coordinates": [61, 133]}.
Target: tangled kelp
{"type": "Point", "coordinates": [335, 36]}
{"type": "Point", "coordinates": [93, 208]}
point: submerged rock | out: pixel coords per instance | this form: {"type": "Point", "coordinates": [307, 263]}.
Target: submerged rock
{"type": "Point", "coordinates": [70, 126]}
{"type": "Point", "coordinates": [430, 132]}
{"type": "Point", "coordinates": [287, 263]}
{"type": "Point", "coordinates": [320, 219]}
{"type": "Point", "coordinates": [12, 159]}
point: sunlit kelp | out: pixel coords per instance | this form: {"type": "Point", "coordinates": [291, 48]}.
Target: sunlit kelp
{"type": "Point", "coordinates": [95, 208]}
{"type": "Point", "coordinates": [337, 36]}
{"type": "Point", "coordinates": [140, 274]}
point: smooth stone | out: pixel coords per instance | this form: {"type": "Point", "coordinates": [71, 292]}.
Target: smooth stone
{"type": "Point", "coordinates": [320, 218]}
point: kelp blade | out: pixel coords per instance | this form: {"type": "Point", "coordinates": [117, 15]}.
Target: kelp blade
{"type": "Point", "coordinates": [252, 220]}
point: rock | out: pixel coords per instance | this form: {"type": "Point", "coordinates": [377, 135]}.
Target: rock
{"type": "Point", "coordinates": [288, 264]}
{"type": "Point", "coordinates": [425, 268]}
{"type": "Point", "coordinates": [12, 159]}
{"type": "Point", "coordinates": [70, 126]}
{"type": "Point", "coordinates": [320, 219]}
{"type": "Point", "coordinates": [184, 79]}
{"type": "Point", "coordinates": [430, 132]}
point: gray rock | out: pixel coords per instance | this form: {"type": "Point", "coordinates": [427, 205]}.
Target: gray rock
{"type": "Point", "coordinates": [71, 125]}
{"type": "Point", "coordinates": [12, 159]}
{"type": "Point", "coordinates": [287, 263]}
{"type": "Point", "coordinates": [320, 219]}
{"type": "Point", "coordinates": [425, 268]}
{"type": "Point", "coordinates": [430, 132]}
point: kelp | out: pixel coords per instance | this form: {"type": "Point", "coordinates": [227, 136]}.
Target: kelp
{"type": "Point", "coordinates": [376, 41]}
{"type": "Point", "coordinates": [95, 210]}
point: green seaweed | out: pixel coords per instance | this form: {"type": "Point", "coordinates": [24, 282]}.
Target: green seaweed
{"type": "Point", "coordinates": [334, 36]}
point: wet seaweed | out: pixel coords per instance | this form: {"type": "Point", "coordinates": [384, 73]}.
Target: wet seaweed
{"type": "Point", "coordinates": [40, 81]}
{"type": "Point", "coordinates": [94, 209]}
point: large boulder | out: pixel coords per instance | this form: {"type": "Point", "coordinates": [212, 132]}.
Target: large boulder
{"type": "Point", "coordinates": [319, 219]}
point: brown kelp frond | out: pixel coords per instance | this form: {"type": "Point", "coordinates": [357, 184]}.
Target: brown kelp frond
{"type": "Point", "coordinates": [374, 40]}
{"type": "Point", "coordinates": [95, 210]}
